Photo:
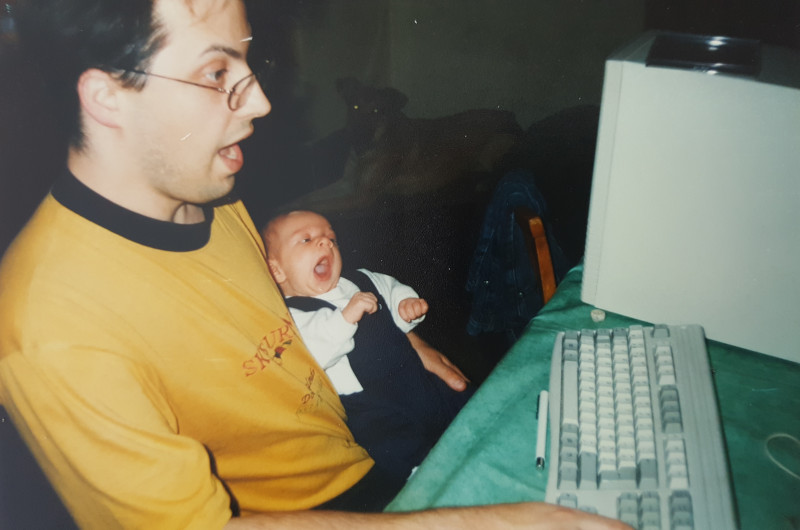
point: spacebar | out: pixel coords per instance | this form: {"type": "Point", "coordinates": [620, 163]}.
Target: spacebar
{"type": "Point", "coordinates": [569, 396]}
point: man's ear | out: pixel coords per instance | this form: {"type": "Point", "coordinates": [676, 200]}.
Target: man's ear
{"type": "Point", "coordinates": [98, 93]}
{"type": "Point", "coordinates": [276, 271]}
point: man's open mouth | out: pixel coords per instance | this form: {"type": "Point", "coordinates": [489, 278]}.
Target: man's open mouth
{"type": "Point", "coordinates": [232, 156]}
{"type": "Point", "coordinates": [232, 152]}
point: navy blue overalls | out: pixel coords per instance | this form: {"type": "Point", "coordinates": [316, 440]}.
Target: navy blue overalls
{"type": "Point", "coordinates": [403, 409]}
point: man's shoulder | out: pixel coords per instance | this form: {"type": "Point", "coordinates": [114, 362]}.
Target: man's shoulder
{"type": "Point", "coordinates": [40, 270]}
{"type": "Point", "coordinates": [43, 234]}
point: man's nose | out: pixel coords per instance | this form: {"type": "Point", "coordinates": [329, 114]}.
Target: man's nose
{"type": "Point", "coordinates": [257, 103]}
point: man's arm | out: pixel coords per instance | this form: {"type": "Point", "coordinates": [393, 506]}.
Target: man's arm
{"type": "Point", "coordinates": [436, 362]}
{"type": "Point", "coordinates": [524, 515]}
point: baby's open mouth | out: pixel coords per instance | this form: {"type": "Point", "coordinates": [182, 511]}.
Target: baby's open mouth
{"type": "Point", "coordinates": [322, 270]}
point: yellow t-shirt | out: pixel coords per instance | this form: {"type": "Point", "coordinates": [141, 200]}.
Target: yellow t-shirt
{"type": "Point", "coordinates": [127, 360]}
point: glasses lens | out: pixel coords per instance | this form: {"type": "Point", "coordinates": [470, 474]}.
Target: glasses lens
{"type": "Point", "coordinates": [240, 92]}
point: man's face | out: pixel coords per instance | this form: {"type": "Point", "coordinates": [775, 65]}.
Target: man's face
{"type": "Point", "coordinates": [185, 138]}
{"type": "Point", "coordinates": [304, 256]}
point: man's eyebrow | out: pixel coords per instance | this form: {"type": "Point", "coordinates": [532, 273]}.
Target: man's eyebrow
{"type": "Point", "coordinates": [227, 50]}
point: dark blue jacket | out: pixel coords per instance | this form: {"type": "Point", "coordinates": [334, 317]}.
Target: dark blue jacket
{"type": "Point", "coordinates": [506, 294]}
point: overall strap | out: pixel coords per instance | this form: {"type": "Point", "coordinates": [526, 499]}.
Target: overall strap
{"type": "Point", "coordinates": [308, 304]}
{"type": "Point", "coordinates": [362, 281]}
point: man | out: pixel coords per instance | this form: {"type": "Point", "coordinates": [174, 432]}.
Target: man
{"type": "Point", "coordinates": [146, 356]}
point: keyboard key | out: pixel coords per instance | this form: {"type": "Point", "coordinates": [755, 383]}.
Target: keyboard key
{"type": "Point", "coordinates": [680, 500]}
{"type": "Point", "coordinates": [569, 397]}
{"type": "Point", "coordinates": [648, 473]}
{"type": "Point", "coordinates": [568, 499]}
{"type": "Point", "coordinates": [568, 469]}
{"type": "Point", "coordinates": [588, 465]}
{"type": "Point", "coordinates": [571, 339]}
{"type": "Point", "coordinates": [660, 331]}
{"type": "Point", "coordinates": [628, 509]}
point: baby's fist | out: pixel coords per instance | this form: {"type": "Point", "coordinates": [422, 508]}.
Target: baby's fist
{"type": "Point", "coordinates": [359, 304]}
{"type": "Point", "coordinates": [412, 308]}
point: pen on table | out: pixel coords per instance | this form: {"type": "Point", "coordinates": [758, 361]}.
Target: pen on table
{"type": "Point", "coordinates": [541, 428]}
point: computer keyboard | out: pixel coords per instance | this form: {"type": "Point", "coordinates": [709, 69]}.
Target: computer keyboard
{"type": "Point", "coordinates": [635, 432]}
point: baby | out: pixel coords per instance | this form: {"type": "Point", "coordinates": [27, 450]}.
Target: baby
{"type": "Point", "coordinates": [358, 330]}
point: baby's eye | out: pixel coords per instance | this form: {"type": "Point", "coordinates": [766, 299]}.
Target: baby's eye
{"type": "Point", "coordinates": [335, 242]}
{"type": "Point", "coordinates": [305, 240]}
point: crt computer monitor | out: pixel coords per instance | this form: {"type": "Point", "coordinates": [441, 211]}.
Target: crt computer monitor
{"type": "Point", "coordinates": [695, 207]}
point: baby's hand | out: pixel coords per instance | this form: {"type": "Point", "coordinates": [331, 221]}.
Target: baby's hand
{"type": "Point", "coordinates": [412, 308]}
{"type": "Point", "coordinates": [358, 305]}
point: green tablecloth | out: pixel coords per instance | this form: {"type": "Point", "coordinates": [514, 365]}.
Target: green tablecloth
{"type": "Point", "coordinates": [487, 455]}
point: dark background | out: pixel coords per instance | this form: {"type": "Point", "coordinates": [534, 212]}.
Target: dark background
{"type": "Point", "coordinates": [533, 58]}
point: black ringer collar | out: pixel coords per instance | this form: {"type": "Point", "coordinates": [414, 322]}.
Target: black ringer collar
{"type": "Point", "coordinates": [161, 235]}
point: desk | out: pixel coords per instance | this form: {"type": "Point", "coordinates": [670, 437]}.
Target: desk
{"type": "Point", "coordinates": [487, 455]}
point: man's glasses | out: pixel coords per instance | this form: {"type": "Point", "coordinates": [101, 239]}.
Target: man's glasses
{"type": "Point", "coordinates": [237, 95]}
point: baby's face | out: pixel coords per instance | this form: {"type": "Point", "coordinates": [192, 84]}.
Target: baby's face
{"type": "Point", "coordinates": [304, 255]}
